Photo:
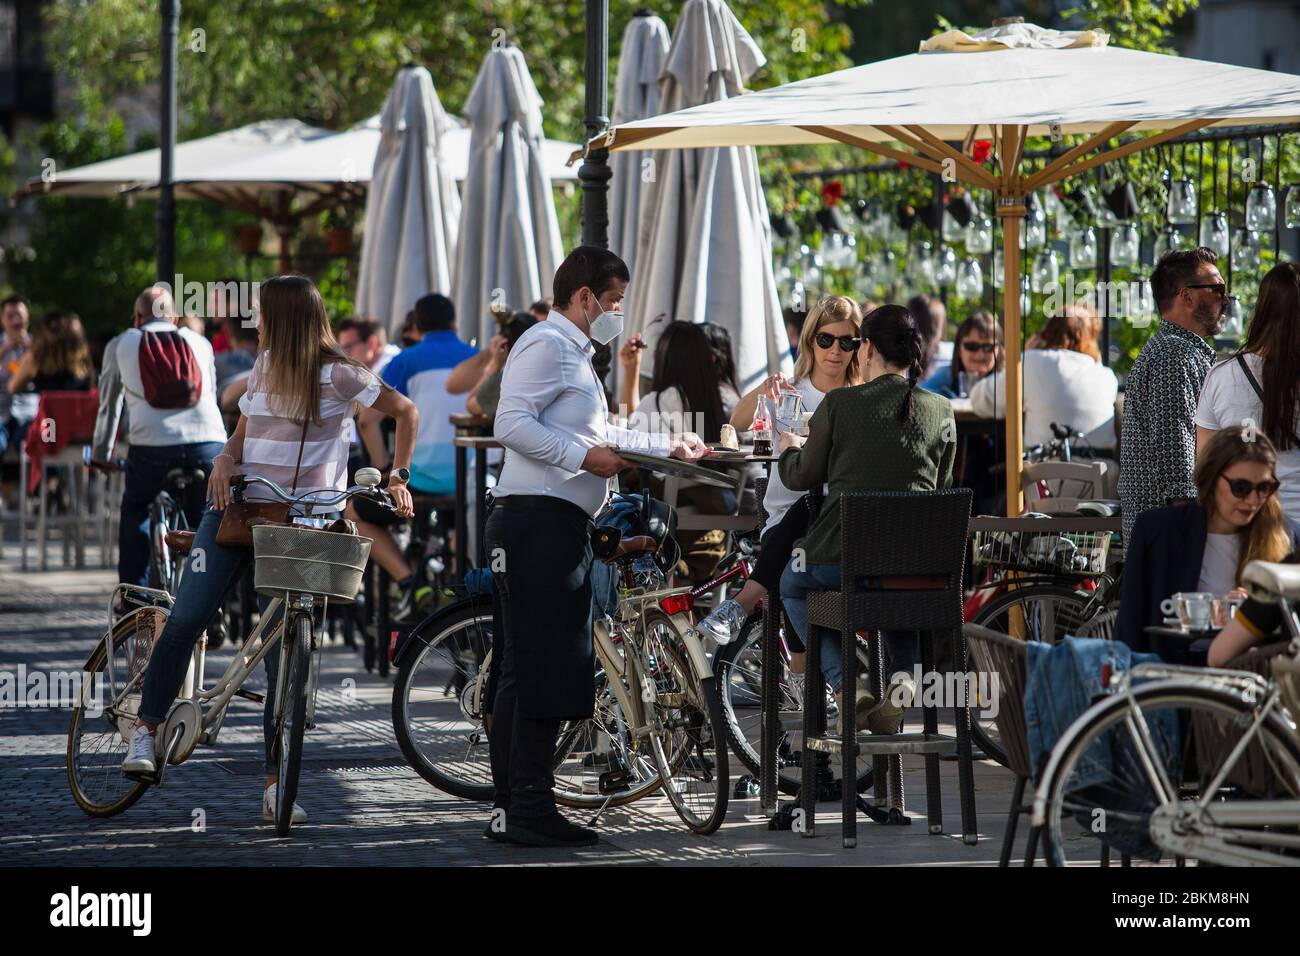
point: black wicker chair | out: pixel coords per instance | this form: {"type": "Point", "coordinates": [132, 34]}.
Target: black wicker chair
{"type": "Point", "coordinates": [901, 569]}
{"type": "Point", "coordinates": [994, 653]}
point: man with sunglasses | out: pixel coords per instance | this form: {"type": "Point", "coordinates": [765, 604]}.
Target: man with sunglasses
{"type": "Point", "coordinates": [1158, 445]}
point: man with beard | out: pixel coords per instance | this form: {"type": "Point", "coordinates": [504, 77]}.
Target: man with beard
{"type": "Point", "coordinates": [1158, 446]}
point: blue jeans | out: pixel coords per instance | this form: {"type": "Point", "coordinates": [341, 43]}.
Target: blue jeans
{"type": "Point", "coordinates": [146, 475]}
{"type": "Point", "coordinates": [902, 646]}
{"type": "Point", "coordinates": [201, 591]}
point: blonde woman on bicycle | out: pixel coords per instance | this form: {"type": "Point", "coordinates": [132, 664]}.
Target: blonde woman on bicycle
{"type": "Point", "coordinates": [301, 394]}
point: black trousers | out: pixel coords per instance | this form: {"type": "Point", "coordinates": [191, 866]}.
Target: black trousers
{"type": "Point", "coordinates": [543, 644]}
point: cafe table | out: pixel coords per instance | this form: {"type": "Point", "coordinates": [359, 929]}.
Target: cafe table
{"type": "Point", "coordinates": [1174, 645]}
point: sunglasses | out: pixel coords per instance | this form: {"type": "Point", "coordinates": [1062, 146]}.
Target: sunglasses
{"type": "Point", "coordinates": [1220, 288]}
{"type": "Point", "coordinates": [1241, 488]}
{"type": "Point", "coordinates": [988, 348]}
{"type": "Point", "coordinates": [847, 342]}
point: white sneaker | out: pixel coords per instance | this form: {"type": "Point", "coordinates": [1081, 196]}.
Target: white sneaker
{"type": "Point", "coordinates": [724, 624]}
{"type": "Point", "coordinates": [140, 754]}
{"type": "Point", "coordinates": [268, 807]}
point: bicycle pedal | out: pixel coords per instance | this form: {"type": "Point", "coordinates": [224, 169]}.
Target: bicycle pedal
{"type": "Point", "coordinates": [252, 695]}
{"type": "Point", "coordinates": [746, 788]}
{"type": "Point", "coordinates": [614, 781]}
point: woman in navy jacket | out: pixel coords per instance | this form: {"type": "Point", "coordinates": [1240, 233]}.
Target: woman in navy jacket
{"type": "Point", "coordinates": [1203, 545]}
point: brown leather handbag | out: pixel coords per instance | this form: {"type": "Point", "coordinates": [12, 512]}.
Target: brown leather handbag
{"type": "Point", "coordinates": [240, 517]}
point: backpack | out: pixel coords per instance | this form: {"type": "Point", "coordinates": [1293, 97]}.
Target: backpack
{"type": "Point", "coordinates": [169, 371]}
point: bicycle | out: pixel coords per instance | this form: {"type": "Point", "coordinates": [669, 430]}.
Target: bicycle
{"type": "Point", "coordinates": [1043, 586]}
{"type": "Point", "coordinates": [1196, 763]}
{"type": "Point", "coordinates": [656, 723]}
{"type": "Point", "coordinates": [304, 567]}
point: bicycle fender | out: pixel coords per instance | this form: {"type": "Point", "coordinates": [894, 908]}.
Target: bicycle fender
{"type": "Point", "coordinates": [695, 648]}
{"type": "Point", "coordinates": [414, 637]}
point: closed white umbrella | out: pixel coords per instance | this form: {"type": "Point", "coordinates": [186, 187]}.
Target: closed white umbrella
{"type": "Point", "coordinates": [644, 50]}
{"type": "Point", "coordinates": [412, 209]}
{"type": "Point", "coordinates": [704, 251]}
{"type": "Point", "coordinates": [509, 245]}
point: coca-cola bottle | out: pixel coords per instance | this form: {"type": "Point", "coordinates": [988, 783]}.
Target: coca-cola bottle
{"type": "Point", "coordinates": [762, 427]}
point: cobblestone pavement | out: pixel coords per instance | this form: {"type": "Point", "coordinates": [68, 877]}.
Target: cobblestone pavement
{"type": "Point", "coordinates": [365, 805]}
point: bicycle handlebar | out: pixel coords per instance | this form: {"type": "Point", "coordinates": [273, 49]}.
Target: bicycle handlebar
{"type": "Point", "coordinates": [371, 490]}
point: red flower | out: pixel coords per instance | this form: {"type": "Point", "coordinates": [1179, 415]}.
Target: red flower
{"type": "Point", "coordinates": [832, 192]}
{"type": "Point", "coordinates": [903, 165]}
{"type": "Point", "coordinates": [981, 150]}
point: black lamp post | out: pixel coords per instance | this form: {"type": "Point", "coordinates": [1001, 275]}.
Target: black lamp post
{"type": "Point", "coordinates": [170, 11]}
{"type": "Point", "coordinates": [594, 173]}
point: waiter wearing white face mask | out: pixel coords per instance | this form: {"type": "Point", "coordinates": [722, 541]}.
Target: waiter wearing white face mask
{"type": "Point", "coordinates": [553, 420]}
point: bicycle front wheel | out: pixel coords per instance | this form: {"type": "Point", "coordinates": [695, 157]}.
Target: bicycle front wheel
{"type": "Point", "coordinates": [101, 726]}
{"type": "Point", "coordinates": [293, 718]}
{"type": "Point", "coordinates": [738, 675]}
{"type": "Point", "coordinates": [1045, 613]}
{"type": "Point", "coordinates": [689, 737]}
{"type": "Point", "coordinates": [438, 702]}
{"type": "Point", "coordinates": [1156, 774]}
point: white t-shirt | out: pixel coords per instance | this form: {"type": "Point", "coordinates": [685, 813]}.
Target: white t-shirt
{"type": "Point", "coordinates": [1228, 401]}
{"type": "Point", "coordinates": [779, 498]}
{"type": "Point", "coordinates": [1061, 386]}
{"type": "Point", "coordinates": [1219, 565]}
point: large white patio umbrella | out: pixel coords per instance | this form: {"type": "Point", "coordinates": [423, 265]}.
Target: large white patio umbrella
{"type": "Point", "coordinates": [704, 249]}
{"type": "Point", "coordinates": [412, 207]}
{"type": "Point", "coordinates": [207, 156]}
{"type": "Point", "coordinates": [1004, 84]}
{"type": "Point", "coordinates": [509, 245]}
{"type": "Point", "coordinates": [644, 50]}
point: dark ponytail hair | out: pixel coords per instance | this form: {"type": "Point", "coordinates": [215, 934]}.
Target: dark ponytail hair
{"type": "Point", "coordinates": [894, 334]}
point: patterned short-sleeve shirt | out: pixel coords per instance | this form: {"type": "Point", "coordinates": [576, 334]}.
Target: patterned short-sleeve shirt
{"type": "Point", "coordinates": [1158, 446]}
{"type": "Point", "coordinates": [271, 440]}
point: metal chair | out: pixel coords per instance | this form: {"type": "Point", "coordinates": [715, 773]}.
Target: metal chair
{"type": "Point", "coordinates": [1069, 483]}
{"type": "Point", "coordinates": [1000, 654]}
{"type": "Point", "coordinates": [1101, 627]}
{"type": "Point", "coordinates": [901, 567]}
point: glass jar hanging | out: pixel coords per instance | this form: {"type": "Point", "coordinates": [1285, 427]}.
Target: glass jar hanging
{"type": "Point", "coordinates": [1292, 206]}
{"type": "Point", "coordinates": [1125, 246]}
{"type": "Point", "coordinates": [970, 280]}
{"type": "Point", "coordinates": [1083, 249]}
{"type": "Point", "coordinates": [979, 236]}
{"type": "Point", "coordinates": [945, 267]}
{"type": "Point", "coordinates": [1181, 207]}
{"type": "Point", "coordinates": [1261, 208]}
{"type": "Point", "coordinates": [1215, 233]}
{"type": "Point", "coordinates": [1245, 250]}
{"type": "Point", "coordinates": [1046, 271]}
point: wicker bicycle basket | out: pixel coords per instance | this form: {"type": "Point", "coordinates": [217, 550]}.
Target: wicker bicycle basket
{"type": "Point", "coordinates": [308, 560]}
{"type": "Point", "coordinates": [1052, 552]}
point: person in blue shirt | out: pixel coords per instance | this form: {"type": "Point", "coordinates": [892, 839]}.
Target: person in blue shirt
{"type": "Point", "coordinates": [420, 373]}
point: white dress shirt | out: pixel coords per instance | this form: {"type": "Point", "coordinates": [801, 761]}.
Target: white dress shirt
{"type": "Point", "coordinates": [1061, 386]}
{"type": "Point", "coordinates": [552, 410]}
{"type": "Point", "coordinates": [119, 383]}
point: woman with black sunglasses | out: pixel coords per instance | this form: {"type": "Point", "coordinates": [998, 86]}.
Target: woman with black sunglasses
{"type": "Point", "coordinates": [1203, 545]}
{"type": "Point", "coordinates": [977, 352]}
{"type": "Point", "coordinates": [828, 359]}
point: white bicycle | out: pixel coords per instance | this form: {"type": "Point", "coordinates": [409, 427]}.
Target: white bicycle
{"type": "Point", "coordinates": [303, 567]}
{"type": "Point", "coordinates": [1185, 763]}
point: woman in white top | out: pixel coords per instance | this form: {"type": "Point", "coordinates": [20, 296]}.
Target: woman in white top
{"type": "Point", "coordinates": [828, 359]}
{"type": "Point", "coordinates": [1065, 382]}
{"type": "Point", "coordinates": [1260, 385]}
{"type": "Point", "coordinates": [301, 394]}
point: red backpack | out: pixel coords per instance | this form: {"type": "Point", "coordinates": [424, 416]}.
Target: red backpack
{"type": "Point", "coordinates": [169, 371]}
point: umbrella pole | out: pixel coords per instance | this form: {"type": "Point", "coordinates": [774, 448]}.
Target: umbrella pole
{"type": "Point", "coordinates": [1012, 211]}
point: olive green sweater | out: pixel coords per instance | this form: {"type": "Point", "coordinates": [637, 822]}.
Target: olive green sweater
{"type": "Point", "coordinates": [856, 443]}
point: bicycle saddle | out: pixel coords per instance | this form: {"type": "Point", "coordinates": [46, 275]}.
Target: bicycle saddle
{"type": "Point", "coordinates": [1270, 580]}
{"type": "Point", "coordinates": [179, 541]}
{"type": "Point", "coordinates": [180, 477]}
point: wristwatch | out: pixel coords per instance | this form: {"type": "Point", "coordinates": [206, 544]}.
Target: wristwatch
{"type": "Point", "coordinates": [403, 475]}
